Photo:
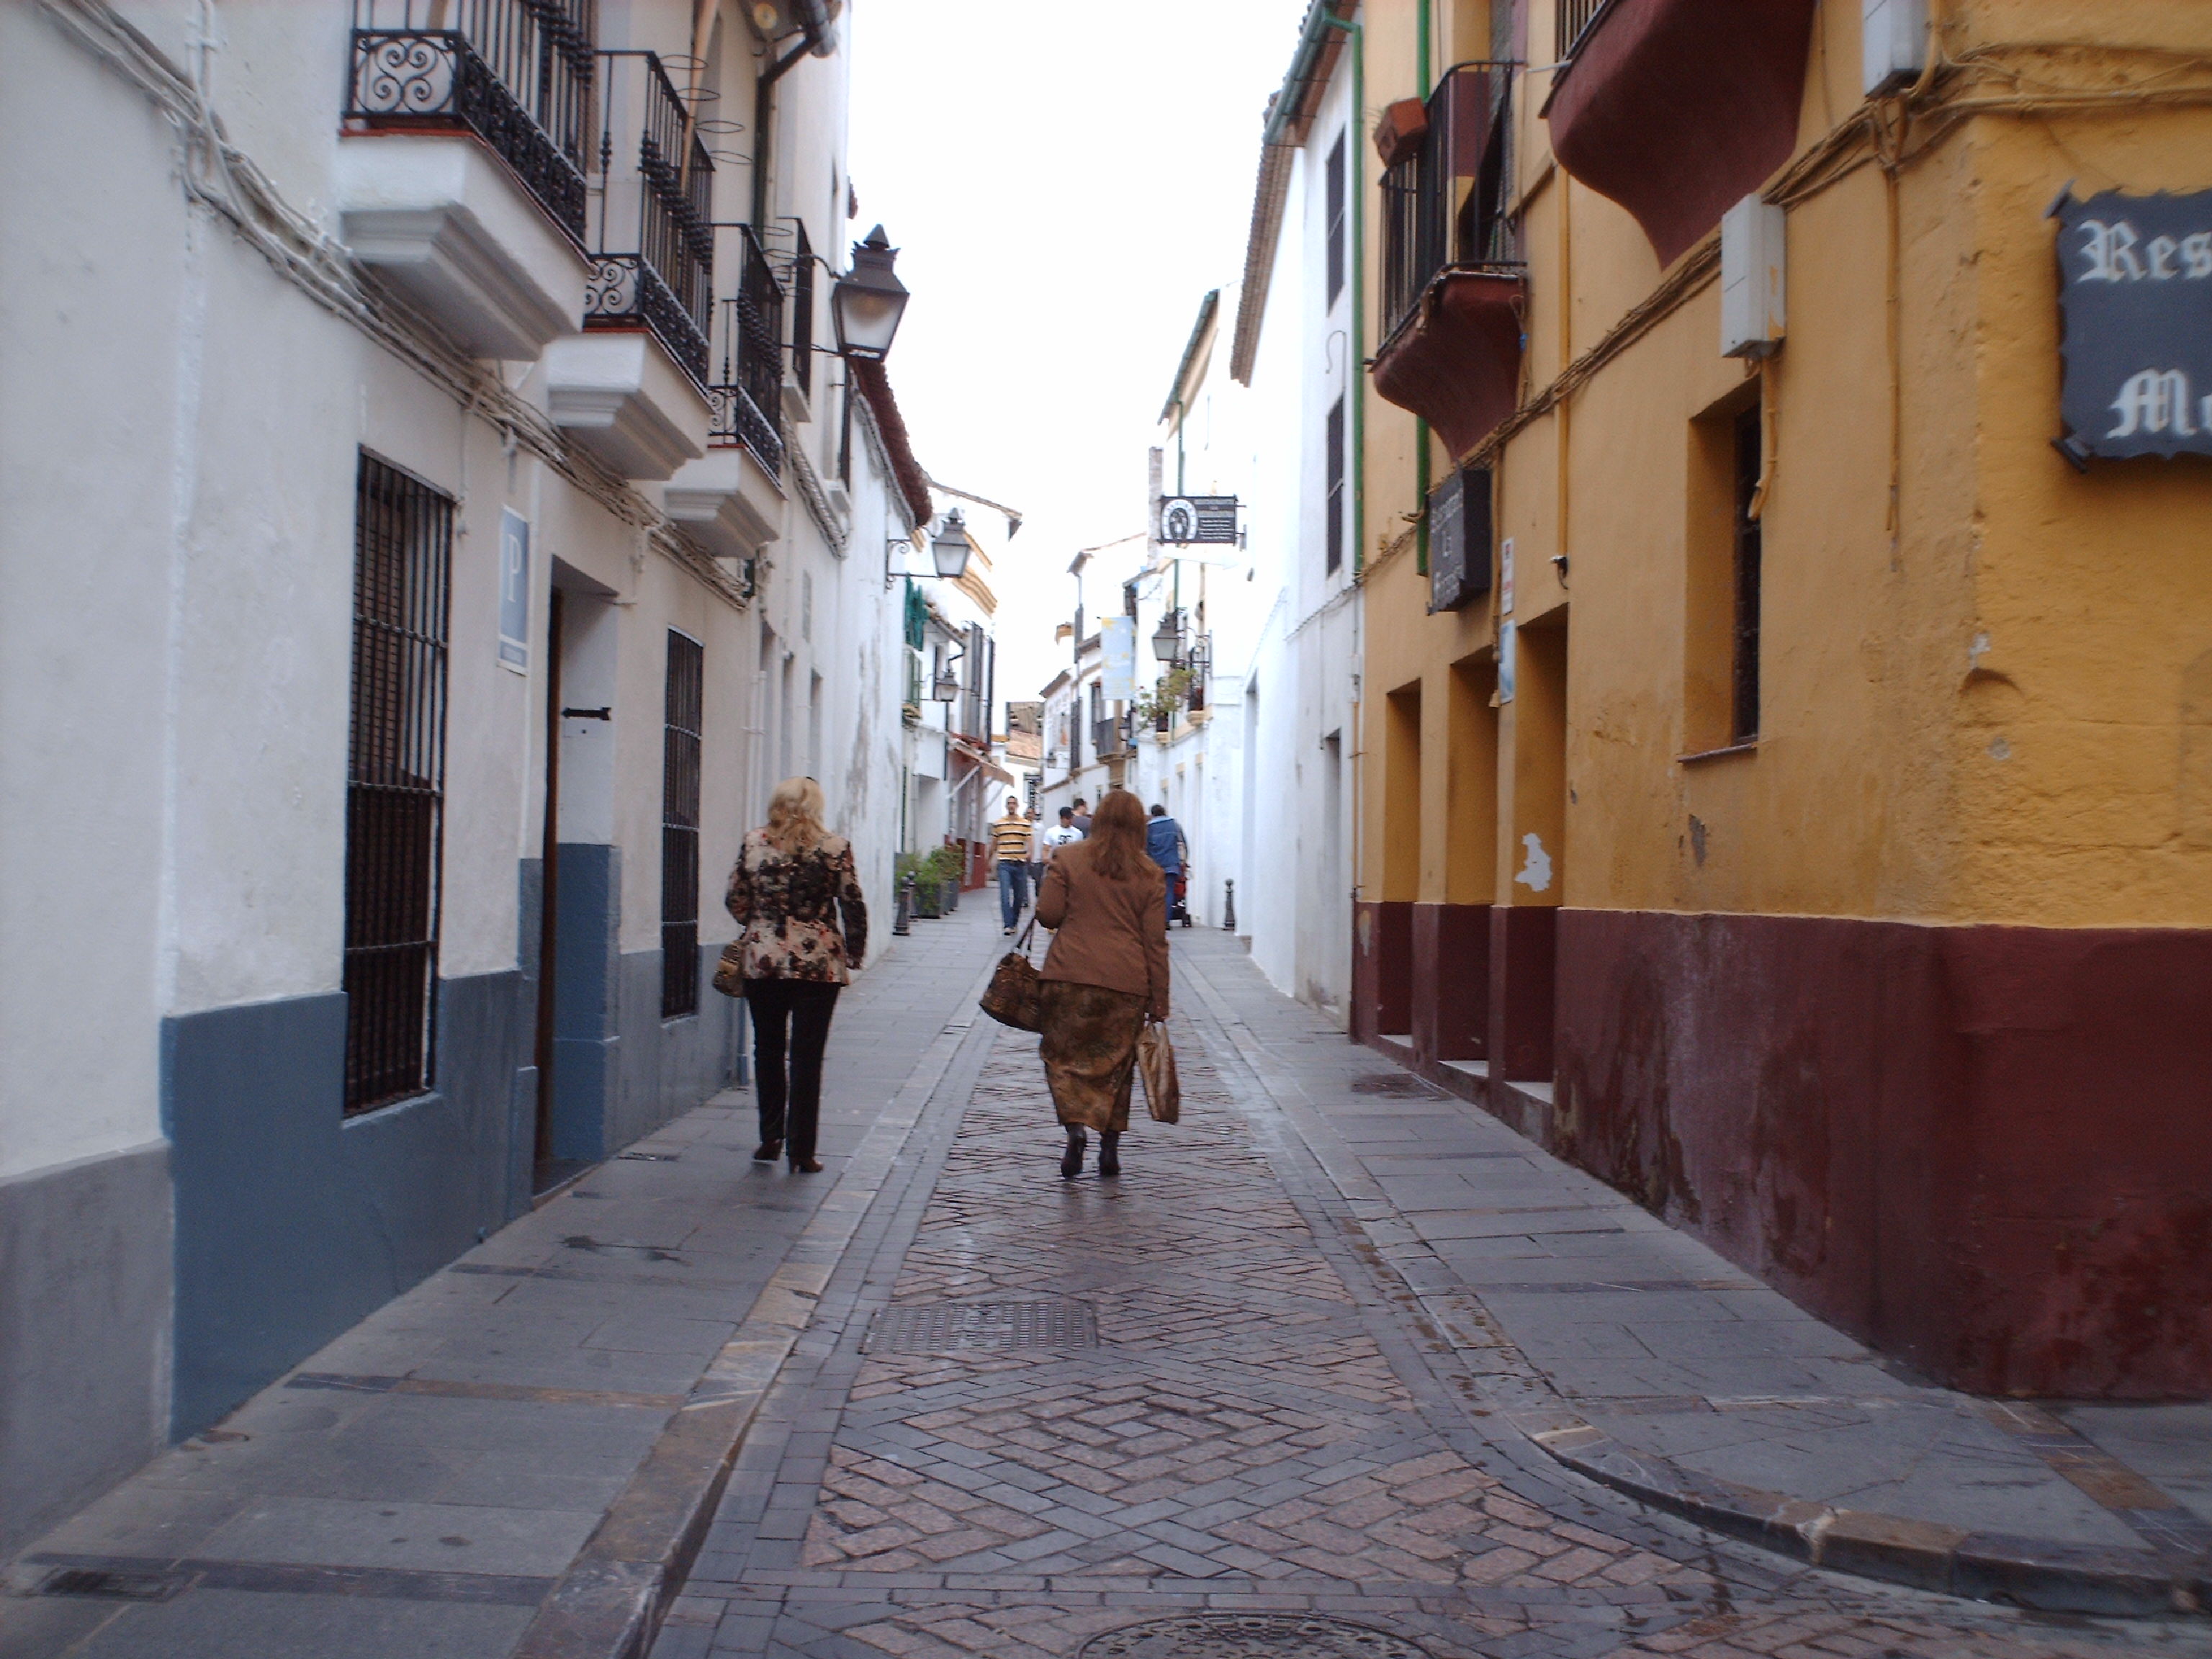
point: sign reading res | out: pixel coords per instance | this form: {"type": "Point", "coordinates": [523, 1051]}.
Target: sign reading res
{"type": "Point", "coordinates": [2135, 294]}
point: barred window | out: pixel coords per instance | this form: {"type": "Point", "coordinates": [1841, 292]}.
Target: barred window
{"type": "Point", "coordinates": [395, 783]}
{"type": "Point", "coordinates": [1332, 488]}
{"type": "Point", "coordinates": [1334, 210]}
{"type": "Point", "coordinates": [679, 826]}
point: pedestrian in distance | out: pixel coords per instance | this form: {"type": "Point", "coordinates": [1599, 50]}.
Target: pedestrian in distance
{"type": "Point", "coordinates": [1082, 815]}
{"type": "Point", "coordinates": [1104, 977]}
{"type": "Point", "coordinates": [796, 895]}
{"type": "Point", "coordinates": [1012, 841]}
{"type": "Point", "coordinates": [1164, 845]}
{"type": "Point", "coordinates": [1036, 852]}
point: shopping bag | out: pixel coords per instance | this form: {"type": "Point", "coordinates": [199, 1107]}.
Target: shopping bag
{"type": "Point", "coordinates": [1012, 995]}
{"type": "Point", "coordinates": [1156, 1062]}
{"type": "Point", "coordinates": [730, 971]}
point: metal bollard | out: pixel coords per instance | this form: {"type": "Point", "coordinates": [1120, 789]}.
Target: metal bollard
{"type": "Point", "coordinates": [902, 910]}
{"type": "Point", "coordinates": [1228, 906]}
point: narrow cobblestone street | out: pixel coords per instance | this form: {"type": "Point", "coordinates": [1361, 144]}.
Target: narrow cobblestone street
{"type": "Point", "coordinates": [1031, 1412]}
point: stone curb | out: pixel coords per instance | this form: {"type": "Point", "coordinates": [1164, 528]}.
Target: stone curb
{"type": "Point", "coordinates": [610, 1602]}
{"type": "Point", "coordinates": [2045, 1574]}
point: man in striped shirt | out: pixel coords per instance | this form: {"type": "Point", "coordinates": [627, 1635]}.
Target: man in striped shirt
{"type": "Point", "coordinates": [1011, 845]}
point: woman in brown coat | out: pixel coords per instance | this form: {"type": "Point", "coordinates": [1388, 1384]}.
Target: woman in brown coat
{"type": "Point", "coordinates": [1105, 975]}
{"type": "Point", "coordinates": [795, 892]}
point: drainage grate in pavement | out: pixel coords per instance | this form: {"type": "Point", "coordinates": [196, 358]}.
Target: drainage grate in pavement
{"type": "Point", "coordinates": [1396, 1085]}
{"type": "Point", "coordinates": [112, 1586]}
{"type": "Point", "coordinates": [1249, 1636]}
{"type": "Point", "coordinates": [971, 1327]}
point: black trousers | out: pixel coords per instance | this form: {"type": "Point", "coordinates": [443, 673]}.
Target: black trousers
{"type": "Point", "coordinates": [791, 1025]}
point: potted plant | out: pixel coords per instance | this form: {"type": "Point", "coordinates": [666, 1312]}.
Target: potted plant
{"type": "Point", "coordinates": [919, 868]}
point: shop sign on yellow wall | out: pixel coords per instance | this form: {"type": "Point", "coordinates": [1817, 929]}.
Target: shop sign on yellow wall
{"type": "Point", "coordinates": [2136, 292]}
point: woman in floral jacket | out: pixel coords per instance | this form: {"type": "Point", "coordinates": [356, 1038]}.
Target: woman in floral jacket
{"type": "Point", "coordinates": [794, 882]}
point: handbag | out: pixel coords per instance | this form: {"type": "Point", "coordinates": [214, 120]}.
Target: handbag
{"type": "Point", "coordinates": [1012, 997]}
{"type": "Point", "coordinates": [1156, 1060]}
{"type": "Point", "coordinates": [730, 971]}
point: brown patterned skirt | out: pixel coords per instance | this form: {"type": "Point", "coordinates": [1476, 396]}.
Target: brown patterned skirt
{"type": "Point", "coordinates": [1090, 1052]}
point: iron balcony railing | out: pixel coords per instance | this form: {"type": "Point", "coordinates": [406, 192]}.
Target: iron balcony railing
{"type": "Point", "coordinates": [802, 308]}
{"type": "Point", "coordinates": [1573, 23]}
{"type": "Point", "coordinates": [653, 261]}
{"type": "Point", "coordinates": [1443, 205]}
{"type": "Point", "coordinates": [749, 379]}
{"type": "Point", "coordinates": [516, 73]}
{"type": "Point", "coordinates": [1110, 738]}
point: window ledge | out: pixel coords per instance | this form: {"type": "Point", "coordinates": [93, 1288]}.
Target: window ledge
{"type": "Point", "coordinates": [1750, 747]}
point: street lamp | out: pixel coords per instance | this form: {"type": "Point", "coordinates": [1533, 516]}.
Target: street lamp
{"type": "Point", "coordinates": [869, 299]}
{"type": "Point", "coordinates": [1167, 641]}
{"type": "Point", "coordinates": [946, 687]}
{"type": "Point", "coordinates": [950, 547]}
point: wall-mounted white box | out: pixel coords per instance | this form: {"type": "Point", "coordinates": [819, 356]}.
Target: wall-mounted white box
{"type": "Point", "coordinates": [1893, 43]}
{"type": "Point", "coordinates": [1752, 235]}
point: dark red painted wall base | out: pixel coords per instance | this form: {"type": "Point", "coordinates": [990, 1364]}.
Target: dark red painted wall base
{"type": "Point", "coordinates": [1523, 940]}
{"type": "Point", "coordinates": [1450, 989]}
{"type": "Point", "coordinates": [1986, 1150]}
{"type": "Point", "coordinates": [1382, 970]}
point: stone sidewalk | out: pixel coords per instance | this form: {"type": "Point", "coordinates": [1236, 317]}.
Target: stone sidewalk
{"type": "Point", "coordinates": [1642, 1358]}
{"type": "Point", "coordinates": [1202, 1410]}
{"type": "Point", "coordinates": [511, 1457]}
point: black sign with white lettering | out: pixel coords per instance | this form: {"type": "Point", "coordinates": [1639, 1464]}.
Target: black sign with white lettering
{"type": "Point", "coordinates": [1188, 520]}
{"type": "Point", "coordinates": [1459, 540]}
{"type": "Point", "coordinates": [2135, 290]}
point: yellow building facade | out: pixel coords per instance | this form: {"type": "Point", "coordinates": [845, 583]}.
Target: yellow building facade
{"type": "Point", "coordinates": [1786, 775]}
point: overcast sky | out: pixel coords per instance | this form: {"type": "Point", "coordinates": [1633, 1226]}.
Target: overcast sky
{"type": "Point", "coordinates": [1064, 183]}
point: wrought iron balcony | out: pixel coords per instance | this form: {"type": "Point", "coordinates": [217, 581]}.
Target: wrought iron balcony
{"type": "Point", "coordinates": [1572, 21]}
{"type": "Point", "coordinates": [653, 257]}
{"type": "Point", "coordinates": [1676, 109]}
{"type": "Point", "coordinates": [747, 392]}
{"type": "Point", "coordinates": [516, 73]}
{"type": "Point", "coordinates": [1445, 181]}
{"type": "Point", "coordinates": [1110, 738]}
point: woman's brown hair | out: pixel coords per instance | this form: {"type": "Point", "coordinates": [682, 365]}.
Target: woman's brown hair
{"type": "Point", "coordinates": [1116, 840]}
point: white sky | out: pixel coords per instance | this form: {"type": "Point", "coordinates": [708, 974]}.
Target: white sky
{"type": "Point", "coordinates": [1064, 182]}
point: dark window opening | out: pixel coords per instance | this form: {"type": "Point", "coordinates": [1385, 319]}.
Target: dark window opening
{"type": "Point", "coordinates": [1750, 451]}
{"type": "Point", "coordinates": [679, 826]}
{"type": "Point", "coordinates": [802, 309]}
{"type": "Point", "coordinates": [395, 783]}
{"type": "Point", "coordinates": [1333, 507]}
{"type": "Point", "coordinates": [1334, 209]}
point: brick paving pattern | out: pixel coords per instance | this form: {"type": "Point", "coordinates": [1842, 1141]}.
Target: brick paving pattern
{"type": "Point", "coordinates": [1262, 1426]}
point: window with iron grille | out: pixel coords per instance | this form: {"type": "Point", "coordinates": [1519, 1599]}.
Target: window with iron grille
{"type": "Point", "coordinates": [685, 715]}
{"type": "Point", "coordinates": [1333, 465]}
{"type": "Point", "coordinates": [1334, 209]}
{"type": "Point", "coordinates": [1750, 456]}
{"type": "Point", "coordinates": [395, 783]}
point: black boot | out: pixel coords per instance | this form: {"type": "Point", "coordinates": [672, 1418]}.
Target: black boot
{"type": "Point", "coordinates": [1071, 1161]}
{"type": "Point", "coordinates": [768, 1152]}
{"type": "Point", "coordinates": [1109, 1153]}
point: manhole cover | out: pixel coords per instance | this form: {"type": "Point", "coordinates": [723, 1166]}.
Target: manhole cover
{"type": "Point", "coordinates": [967, 1326]}
{"type": "Point", "coordinates": [1249, 1636]}
{"type": "Point", "coordinates": [1397, 1085]}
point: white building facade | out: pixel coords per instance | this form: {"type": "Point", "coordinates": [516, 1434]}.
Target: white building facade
{"type": "Point", "coordinates": [428, 533]}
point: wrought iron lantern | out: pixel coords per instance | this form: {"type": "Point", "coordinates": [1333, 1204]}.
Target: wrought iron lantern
{"type": "Point", "coordinates": [1167, 639]}
{"type": "Point", "coordinates": [946, 688]}
{"type": "Point", "coordinates": [950, 547]}
{"type": "Point", "coordinates": [869, 299]}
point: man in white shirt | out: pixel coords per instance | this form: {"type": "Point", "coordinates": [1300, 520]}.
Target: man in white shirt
{"type": "Point", "coordinates": [1064, 834]}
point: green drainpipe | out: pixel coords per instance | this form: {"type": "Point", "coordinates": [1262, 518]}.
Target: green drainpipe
{"type": "Point", "coordinates": [1359, 363]}
{"type": "Point", "coordinates": [1421, 73]}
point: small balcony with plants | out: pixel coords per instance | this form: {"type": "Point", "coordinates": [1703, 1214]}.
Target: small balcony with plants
{"type": "Point", "coordinates": [633, 387]}
{"type": "Point", "coordinates": [1453, 289]}
{"type": "Point", "coordinates": [460, 179]}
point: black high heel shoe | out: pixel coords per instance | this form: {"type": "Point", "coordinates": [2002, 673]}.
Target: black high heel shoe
{"type": "Point", "coordinates": [768, 1152]}
{"type": "Point", "coordinates": [1071, 1161]}
{"type": "Point", "coordinates": [1109, 1154]}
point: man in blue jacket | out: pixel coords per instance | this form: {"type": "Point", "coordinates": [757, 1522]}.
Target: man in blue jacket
{"type": "Point", "coordinates": [1164, 841]}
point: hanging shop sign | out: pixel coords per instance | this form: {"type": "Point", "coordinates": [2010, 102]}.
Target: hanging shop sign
{"type": "Point", "coordinates": [1459, 539]}
{"type": "Point", "coordinates": [2136, 293]}
{"type": "Point", "coordinates": [1190, 521]}
{"type": "Point", "coordinates": [513, 591]}
{"type": "Point", "coordinates": [1117, 645]}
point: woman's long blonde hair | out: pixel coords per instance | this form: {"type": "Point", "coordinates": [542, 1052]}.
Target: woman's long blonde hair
{"type": "Point", "coordinates": [1116, 840]}
{"type": "Point", "coordinates": [794, 816]}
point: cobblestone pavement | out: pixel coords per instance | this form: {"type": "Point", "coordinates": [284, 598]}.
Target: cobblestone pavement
{"type": "Point", "coordinates": [1032, 1414]}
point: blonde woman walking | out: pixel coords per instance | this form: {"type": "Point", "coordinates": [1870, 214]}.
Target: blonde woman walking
{"type": "Point", "coordinates": [1105, 975]}
{"type": "Point", "coordinates": [794, 884]}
